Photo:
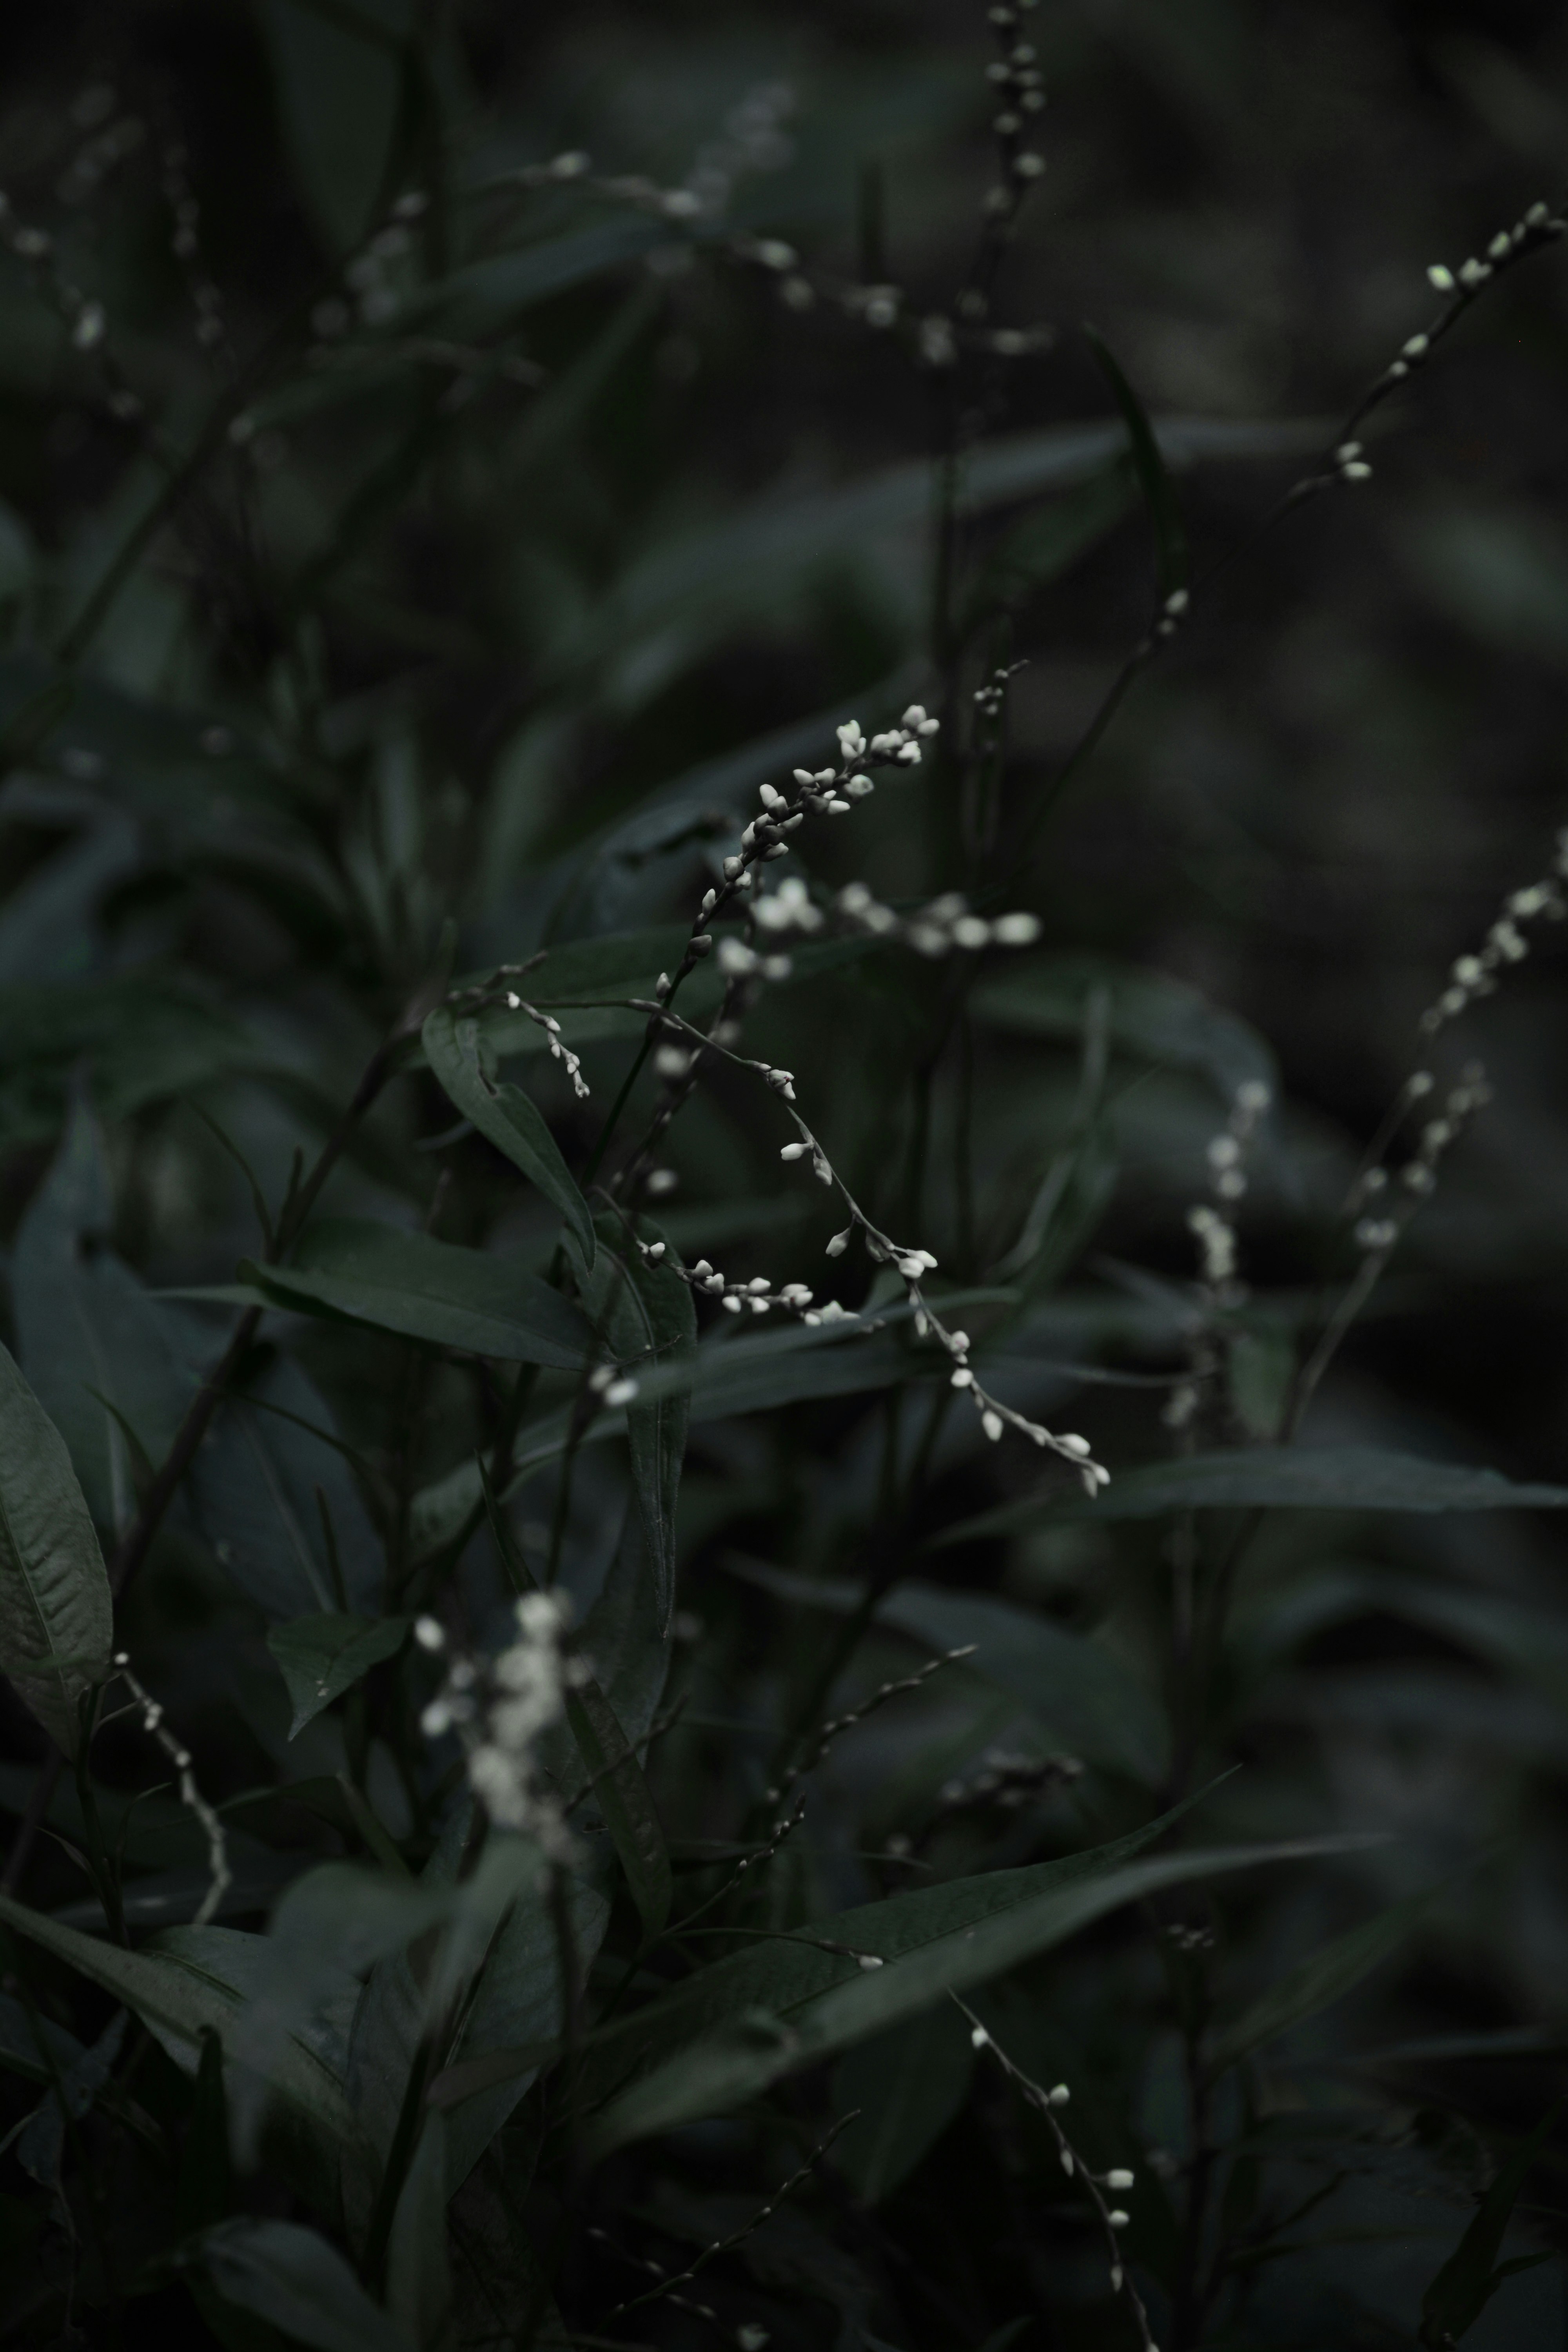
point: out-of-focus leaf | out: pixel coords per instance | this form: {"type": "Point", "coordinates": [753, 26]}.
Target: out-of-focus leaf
{"type": "Point", "coordinates": [451, 1297]}
{"type": "Point", "coordinates": [516, 2005]}
{"type": "Point", "coordinates": [418, 2276]}
{"type": "Point", "coordinates": [1502, 574]}
{"type": "Point", "coordinates": [322, 1656]}
{"type": "Point", "coordinates": [1079, 1693]}
{"type": "Point", "coordinates": [723, 569]}
{"type": "Point", "coordinates": [1156, 1018]}
{"type": "Point", "coordinates": [1277, 1477]}
{"type": "Point", "coordinates": [909, 2084]}
{"type": "Point", "coordinates": [255, 1490]}
{"type": "Point", "coordinates": [482, 297]}
{"type": "Point", "coordinates": [46, 927]}
{"type": "Point", "coordinates": [941, 1939]}
{"type": "Point", "coordinates": [141, 1041]}
{"type": "Point", "coordinates": [338, 93]}
{"type": "Point", "coordinates": [57, 1617]}
{"type": "Point", "coordinates": [506, 1117]}
{"type": "Point", "coordinates": [1324, 1977]}
{"type": "Point", "coordinates": [1170, 538]}
{"type": "Point", "coordinates": [623, 1797]}
{"type": "Point", "coordinates": [283, 2273]}
{"type": "Point", "coordinates": [42, 2144]}
{"type": "Point", "coordinates": [90, 1339]}
{"type": "Point", "coordinates": [648, 1313]}
{"type": "Point", "coordinates": [1472, 2274]}
{"type": "Point", "coordinates": [1045, 543]}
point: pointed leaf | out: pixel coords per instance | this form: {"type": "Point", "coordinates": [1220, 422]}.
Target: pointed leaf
{"type": "Point", "coordinates": [57, 1617]}
{"type": "Point", "coordinates": [1467, 2280]}
{"type": "Point", "coordinates": [257, 1486]}
{"type": "Point", "coordinates": [418, 2274]}
{"type": "Point", "coordinates": [622, 1795]}
{"type": "Point", "coordinates": [478, 1300]}
{"type": "Point", "coordinates": [338, 93]}
{"type": "Point", "coordinates": [1275, 1478]}
{"type": "Point", "coordinates": [1323, 1977]}
{"type": "Point", "coordinates": [292, 2279]}
{"type": "Point", "coordinates": [41, 2145]}
{"type": "Point", "coordinates": [506, 1117]}
{"type": "Point", "coordinates": [320, 1657]}
{"type": "Point", "coordinates": [97, 1350]}
{"type": "Point", "coordinates": [909, 2085]}
{"type": "Point", "coordinates": [178, 2000]}
{"type": "Point", "coordinates": [651, 1320]}
{"type": "Point", "coordinates": [1170, 538]}
{"type": "Point", "coordinates": [749, 2054]}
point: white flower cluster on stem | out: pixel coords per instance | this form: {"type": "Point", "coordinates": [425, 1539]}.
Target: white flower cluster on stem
{"type": "Point", "coordinates": [911, 1262]}
{"type": "Point", "coordinates": [1118, 2179]}
{"type": "Point", "coordinates": [495, 991]}
{"type": "Point", "coordinates": [1505, 944]}
{"type": "Point", "coordinates": [498, 1706]}
{"type": "Point", "coordinates": [1213, 1225]}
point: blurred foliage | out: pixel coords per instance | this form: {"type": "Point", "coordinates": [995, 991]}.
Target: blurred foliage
{"type": "Point", "coordinates": [451, 456]}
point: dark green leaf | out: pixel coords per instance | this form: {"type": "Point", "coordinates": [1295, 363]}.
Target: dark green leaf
{"type": "Point", "coordinates": [1045, 543]}
{"type": "Point", "coordinates": [1077, 1689]}
{"type": "Point", "coordinates": [97, 1350]}
{"type": "Point", "coordinates": [1156, 1018]}
{"type": "Point", "coordinates": [506, 1117]}
{"type": "Point", "coordinates": [257, 1488]}
{"type": "Point", "coordinates": [57, 1617]}
{"type": "Point", "coordinates": [1277, 1477]}
{"type": "Point", "coordinates": [338, 93]}
{"type": "Point", "coordinates": [320, 1657]}
{"type": "Point", "coordinates": [178, 1999]}
{"type": "Point", "coordinates": [1324, 1977]}
{"type": "Point", "coordinates": [418, 2276]}
{"type": "Point", "coordinates": [651, 1320]}
{"type": "Point", "coordinates": [1170, 538]}
{"type": "Point", "coordinates": [42, 2144]}
{"type": "Point", "coordinates": [943, 1938]}
{"type": "Point", "coordinates": [622, 1795]}
{"type": "Point", "coordinates": [1471, 2276]}
{"type": "Point", "coordinates": [479, 1300]}
{"type": "Point", "coordinates": [287, 2275]}
{"type": "Point", "coordinates": [909, 2084]}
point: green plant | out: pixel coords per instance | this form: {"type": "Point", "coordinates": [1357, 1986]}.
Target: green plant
{"type": "Point", "coordinates": [631, 1709]}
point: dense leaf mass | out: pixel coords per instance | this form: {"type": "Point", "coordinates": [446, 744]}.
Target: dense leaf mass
{"type": "Point", "coordinates": [782, 1176]}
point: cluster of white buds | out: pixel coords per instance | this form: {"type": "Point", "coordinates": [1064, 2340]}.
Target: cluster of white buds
{"type": "Point", "coordinates": [947, 923]}
{"type": "Point", "coordinates": [1117, 2180]}
{"type": "Point", "coordinates": [107, 138]}
{"type": "Point", "coordinates": [84, 318]}
{"type": "Point", "coordinates": [375, 281]}
{"type": "Point", "coordinates": [495, 991]}
{"type": "Point", "coordinates": [1172, 612]}
{"type": "Point", "coordinates": [1213, 1225]}
{"type": "Point", "coordinates": [1019, 86]}
{"type": "Point", "coordinates": [1538, 225]}
{"type": "Point", "coordinates": [753, 140]}
{"type": "Point", "coordinates": [825, 791]}
{"type": "Point", "coordinates": [912, 1264]}
{"type": "Point", "coordinates": [499, 1705]}
{"type": "Point", "coordinates": [608, 1381]}
{"type": "Point", "coordinates": [1505, 944]}
{"type": "Point", "coordinates": [180, 196]}
{"type": "Point", "coordinates": [1383, 1203]}
{"type": "Point", "coordinates": [179, 1756]}
{"type": "Point", "coordinates": [755, 1297]}
{"type": "Point", "coordinates": [1350, 463]}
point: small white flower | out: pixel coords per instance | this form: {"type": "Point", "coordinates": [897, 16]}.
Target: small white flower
{"type": "Point", "coordinates": [1019, 930]}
